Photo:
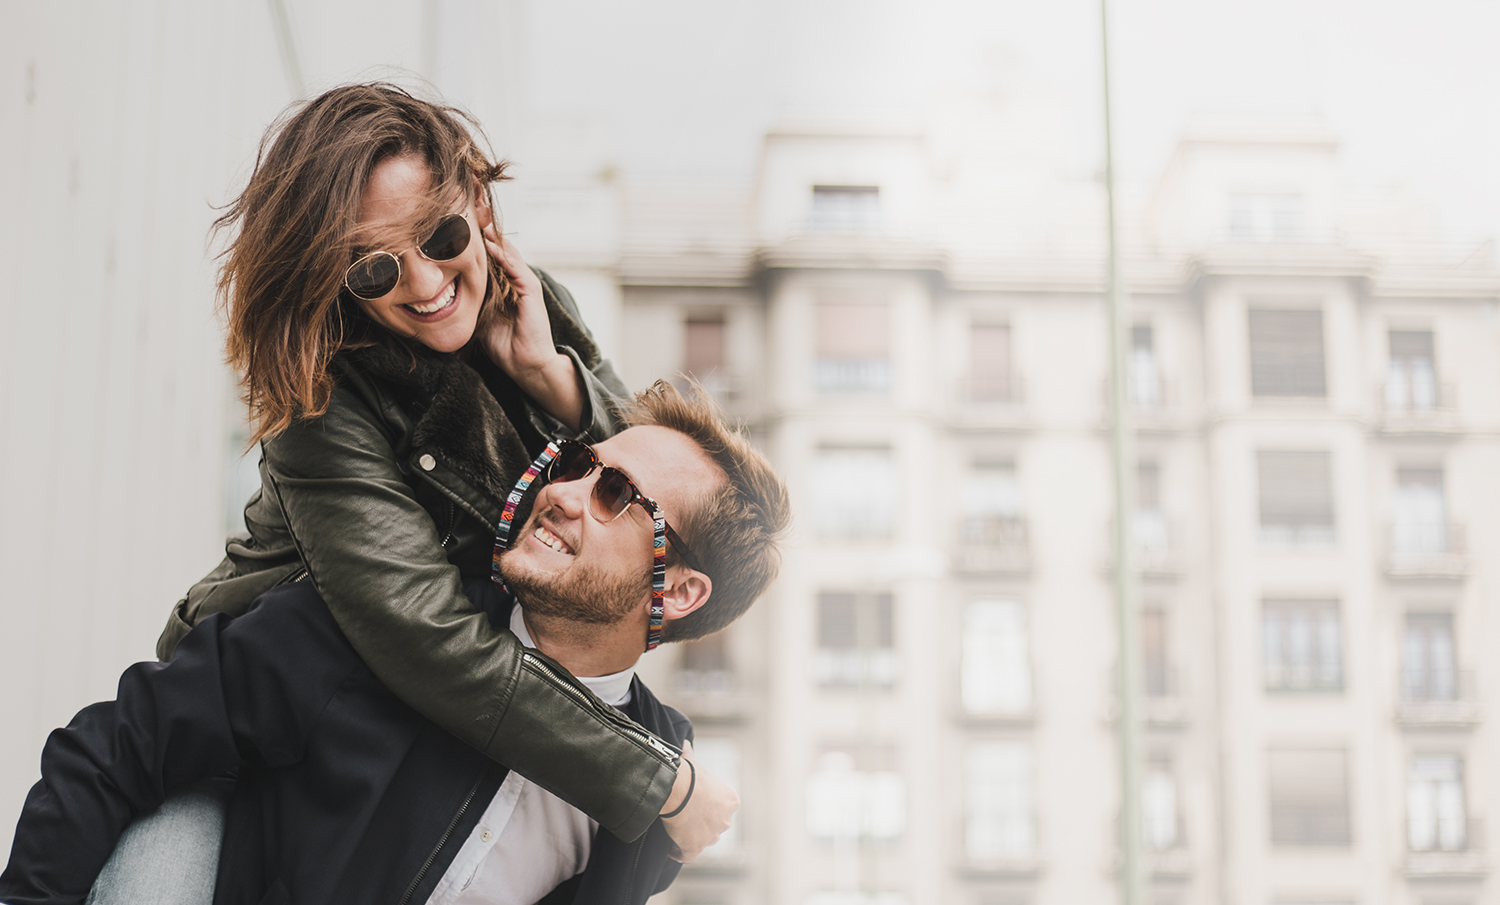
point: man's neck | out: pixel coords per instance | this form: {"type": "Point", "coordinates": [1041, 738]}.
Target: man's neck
{"type": "Point", "coordinates": [582, 649]}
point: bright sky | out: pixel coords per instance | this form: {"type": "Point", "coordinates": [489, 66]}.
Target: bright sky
{"type": "Point", "coordinates": [687, 87]}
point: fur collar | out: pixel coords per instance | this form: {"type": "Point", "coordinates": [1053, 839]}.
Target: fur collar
{"type": "Point", "coordinates": [454, 412]}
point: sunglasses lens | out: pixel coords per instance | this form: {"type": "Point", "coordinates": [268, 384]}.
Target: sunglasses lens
{"type": "Point", "coordinates": [373, 276]}
{"type": "Point", "coordinates": [573, 462]}
{"type": "Point", "coordinates": [612, 493]}
{"type": "Point", "coordinates": [449, 240]}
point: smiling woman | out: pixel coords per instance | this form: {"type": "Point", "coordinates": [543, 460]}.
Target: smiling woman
{"type": "Point", "coordinates": [402, 364]}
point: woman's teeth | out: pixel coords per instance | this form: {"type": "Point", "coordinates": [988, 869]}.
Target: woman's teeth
{"type": "Point", "coordinates": [437, 304]}
{"type": "Point", "coordinates": [551, 540]}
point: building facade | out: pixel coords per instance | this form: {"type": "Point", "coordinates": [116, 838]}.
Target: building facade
{"type": "Point", "coordinates": [923, 709]}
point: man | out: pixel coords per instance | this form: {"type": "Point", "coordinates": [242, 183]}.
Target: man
{"type": "Point", "coordinates": [346, 794]}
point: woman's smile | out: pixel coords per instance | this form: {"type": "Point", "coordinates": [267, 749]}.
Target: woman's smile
{"type": "Point", "coordinates": [438, 308]}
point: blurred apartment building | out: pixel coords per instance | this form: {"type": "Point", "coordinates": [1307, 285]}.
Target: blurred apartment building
{"type": "Point", "coordinates": [922, 710]}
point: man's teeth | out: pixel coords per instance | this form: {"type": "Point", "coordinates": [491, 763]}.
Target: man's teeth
{"type": "Point", "coordinates": [437, 305]}
{"type": "Point", "coordinates": [551, 540]}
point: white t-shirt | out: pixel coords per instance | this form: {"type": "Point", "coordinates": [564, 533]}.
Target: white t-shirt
{"type": "Point", "coordinates": [528, 840]}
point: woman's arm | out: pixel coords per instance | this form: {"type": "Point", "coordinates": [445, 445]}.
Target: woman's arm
{"type": "Point", "coordinates": [378, 560]}
{"type": "Point", "coordinates": [552, 372]}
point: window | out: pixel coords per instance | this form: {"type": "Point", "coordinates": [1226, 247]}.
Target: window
{"type": "Point", "coordinates": [1145, 384]}
{"type": "Point", "coordinates": [1148, 529]}
{"type": "Point", "coordinates": [991, 504]}
{"type": "Point", "coordinates": [854, 492]}
{"type": "Point", "coordinates": [845, 208]}
{"type": "Point", "coordinates": [703, 353]}
{"type": "Point", "coordinates": [1411, 377]}
{"type": "Point", "coordinates": [855, 639]}
{"type": "Point", "coordinates": [1428, 671]}
{"type": "Point", "coordinates": [853, 348]}
{"type": "Point", "coordinates": [1296, 497]}
{"type": "Point", "coordinates": [991, 372]}
{"type": "Point", "coordinates": [1419, 514]}
{"type": "Point", "coordinates": [856, 793]}
{"type": "Point", "coordinates": [1000, 823]}
{"type": "Point", "coordinates": [1309, 796]}
{"type": "Point", "coordinates": [1302, 645]}
{"type": "Point", "coordinates": [720, 755]}
{"type": "Point", "coordinates": [1265, 216]}
{"type": "Point", "coordinates": [996, 665]}
{"type": "Point", "coordinates": [1286, 353]}
{"type": "Point", "coordinates": [1159, 806]}
{"type": "Point", "coordinates": [1435, 818]}
{"type": "Point", "coordinates": [704, 668]}
{"type": "Point", "coordinates": [1154, 660]}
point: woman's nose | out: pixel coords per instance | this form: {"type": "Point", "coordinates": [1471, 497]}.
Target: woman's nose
{"type": "Point", "coordinates": [424, 279]}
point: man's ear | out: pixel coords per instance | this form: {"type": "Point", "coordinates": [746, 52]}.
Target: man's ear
{"type": "Point", "coordinates": [687, 589]}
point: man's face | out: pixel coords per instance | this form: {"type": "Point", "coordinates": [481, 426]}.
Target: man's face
{"type": "Point", "coordinates": [566, 564]}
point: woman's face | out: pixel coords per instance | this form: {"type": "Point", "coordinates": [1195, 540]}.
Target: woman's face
{"type": "Point", "coordinates": [436, 302]}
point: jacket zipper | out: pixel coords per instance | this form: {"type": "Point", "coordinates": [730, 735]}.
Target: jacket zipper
{"type": "Point", "coordinates": [293, 578]}
{"type": "Point", "coordinates": [452, 523]}
{"type": "Point", "coordinates": [625, 726]}
{"type": "Point", "coordinates": [630, 885]}
{"type": "Point", "coordinates": [452, 825]}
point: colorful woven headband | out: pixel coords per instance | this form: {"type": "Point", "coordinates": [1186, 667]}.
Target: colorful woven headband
{"type": "Point", "coordinates": [658, 543]}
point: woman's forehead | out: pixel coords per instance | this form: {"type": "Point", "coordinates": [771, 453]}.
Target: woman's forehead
{"type": "Point", "coordinates": [401, 200]}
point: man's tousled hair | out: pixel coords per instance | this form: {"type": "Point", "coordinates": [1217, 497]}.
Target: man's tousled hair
{"type": "Point", "coordinates": [735, 533]}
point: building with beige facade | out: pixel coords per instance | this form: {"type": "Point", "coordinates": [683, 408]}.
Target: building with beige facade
{"type": "Point", "coordinates": [923, 709]}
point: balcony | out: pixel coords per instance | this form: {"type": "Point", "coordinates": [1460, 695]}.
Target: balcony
{"type": "Point", "coordinates": [1411, 408]}
{"type": "Point", "coordinates": [1163, 703]}
{"type": "Point", "coordinates": [1442, 849]}
{"type": "Point", "coordinates": [1438, 699]}
{"type": "Point", "coordinates": [990, 401]}
{"type": "Point", "coordinates": [1427, 551]}
{"type": "Point", "coordinates": [1155, 404]}
{"type": "Point", "coordinates": [993, 545]}
{"type": "Point", "coordinates": [1156, 549]}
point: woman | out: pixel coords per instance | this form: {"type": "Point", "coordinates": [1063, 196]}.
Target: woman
{"type": "Point", "coordinates": [402, 366]}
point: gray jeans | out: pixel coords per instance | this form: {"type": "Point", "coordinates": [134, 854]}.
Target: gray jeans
{"type": "Point", "coordinates": [170, 856]}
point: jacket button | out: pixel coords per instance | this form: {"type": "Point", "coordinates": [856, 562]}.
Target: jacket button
{"type": "Point", "coordinates": [427, 462]}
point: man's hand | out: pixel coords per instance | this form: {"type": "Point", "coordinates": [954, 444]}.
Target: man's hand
{"type": "Point", "coordinates": [707, 814]}
{"type": "Point", "coordinates": [520, 342]}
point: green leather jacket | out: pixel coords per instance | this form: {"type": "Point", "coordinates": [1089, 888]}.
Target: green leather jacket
{"type": "Point", "coordinates": [387, 501]}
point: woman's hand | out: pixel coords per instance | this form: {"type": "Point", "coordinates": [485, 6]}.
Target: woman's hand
{"type": "Point", "coordinates": [707, 814]}
{"type": "Point", "coordinates": [520, 342]}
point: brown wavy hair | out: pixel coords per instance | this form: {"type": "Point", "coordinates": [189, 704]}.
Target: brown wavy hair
{"type": "Point", "coordinates": [736, 532]}
{"type": "Point", "coordinates": [281, 283]}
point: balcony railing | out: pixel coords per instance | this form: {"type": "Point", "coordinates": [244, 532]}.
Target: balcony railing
{"type": "Point", "coordinates": [1427, 550]}
{"type": "Point", "coordinates": [993, 388]}
{"type": "Point", "coordinates": [1438, 698]}
{"type": "Point", "coordinates": [1445, 848]}
{"type": "Point", "coordinates": [993, 544]}
{"type": "Point", "coordinates": [1408, 407]}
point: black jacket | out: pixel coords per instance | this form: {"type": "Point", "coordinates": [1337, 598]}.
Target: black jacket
{"type": "Point", "coordinates": [390, 500]}
{"type": "Point", "coordinates": [345, 794]}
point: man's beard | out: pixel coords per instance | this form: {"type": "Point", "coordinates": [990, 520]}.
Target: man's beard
{"type": "Point", "coordinates": [580, 594]}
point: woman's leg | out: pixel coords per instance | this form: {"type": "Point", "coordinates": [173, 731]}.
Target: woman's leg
{"type": "Point", "coordinates": [170, 856]}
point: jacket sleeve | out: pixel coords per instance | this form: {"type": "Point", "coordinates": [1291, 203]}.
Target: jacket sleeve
{"type": "Point", "coordinates": [377, 559]}
{"type": "Point", "coordinates": [601, 387]}
{"type": "Point", "coordinates": [236, 694]}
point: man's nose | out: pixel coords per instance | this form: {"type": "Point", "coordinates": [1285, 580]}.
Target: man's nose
{"type": "Point", "coordinates": [571, 497]}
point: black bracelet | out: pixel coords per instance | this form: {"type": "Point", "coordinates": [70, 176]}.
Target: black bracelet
{"type": "Point", "coordinates": [692, 781]}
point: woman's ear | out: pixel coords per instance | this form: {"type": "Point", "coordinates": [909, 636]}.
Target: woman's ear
{"type": "Point", "coordinates": [482, 210]}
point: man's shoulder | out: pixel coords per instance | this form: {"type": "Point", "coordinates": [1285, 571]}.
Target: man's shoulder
{"type": "Point", "coordinates": [661, 719]}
